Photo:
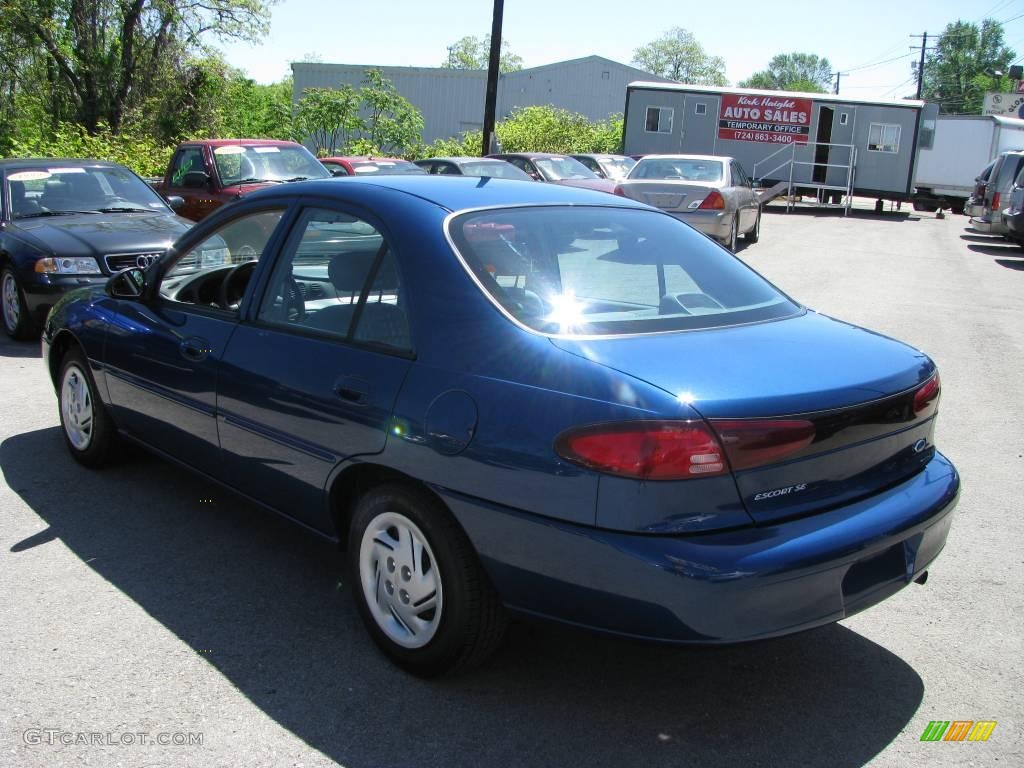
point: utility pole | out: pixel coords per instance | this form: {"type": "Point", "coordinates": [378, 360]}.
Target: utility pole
{"type": "Point", "coordinates": [837, 76]}
{"type": "Point", "coordinates": [491, 99]}
{"type": "Point", "coordinates": [920, 66]}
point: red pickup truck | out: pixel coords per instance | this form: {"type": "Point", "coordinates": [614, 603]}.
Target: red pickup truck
{"type": "Point", "coordinates": [208, 173]}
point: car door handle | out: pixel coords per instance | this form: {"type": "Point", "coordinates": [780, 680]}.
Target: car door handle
{"type": "Point", "coordinates": [353, 390]}
{"type": "Point", "coordinates": [194, 349]}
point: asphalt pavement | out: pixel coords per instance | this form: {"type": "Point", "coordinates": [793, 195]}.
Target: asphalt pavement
{"type": "Point", "coordinates": [148, 618]}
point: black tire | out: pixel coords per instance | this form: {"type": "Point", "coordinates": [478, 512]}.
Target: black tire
{"type": "Point", "coordinates": [755, 233]}
{"type": "Point", "coordinates": [732, 242]}
{"type": "Point", "coordinates": [470, 620]}
{"type": "Point", "coordinates": [101, 439]}
{"type": "Point", "coordinates": [17, 321]}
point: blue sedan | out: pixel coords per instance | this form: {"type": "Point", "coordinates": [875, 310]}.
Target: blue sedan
{"type": "Point", "coordinates": [500, 397]}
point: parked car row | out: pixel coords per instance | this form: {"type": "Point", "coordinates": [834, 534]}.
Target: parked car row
{"type": "Point", "coordinates": [997, 205]}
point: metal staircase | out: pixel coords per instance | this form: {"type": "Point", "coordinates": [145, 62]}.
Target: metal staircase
{"type": "Point", "coordinates": [785, 159]}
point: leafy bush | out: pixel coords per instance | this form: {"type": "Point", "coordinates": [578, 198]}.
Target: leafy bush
{"type": "Point", "coordinates": [131, 148]}
{"type": "Point", "coordinates": [549, 129]}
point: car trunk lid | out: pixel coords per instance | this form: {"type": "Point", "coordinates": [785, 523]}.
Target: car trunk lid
{"type": "Point", "coordinates": [672, 196]}
{"type": "Point", "coordinates": [856, 390]}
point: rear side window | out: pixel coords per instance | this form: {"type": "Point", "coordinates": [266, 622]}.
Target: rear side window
{"type": "Point", "coordinates": [1008, 169]}
{"type": "Point", "coordinates": [591, 271]}
{"type": "Point", "coordinates": [338, 276]}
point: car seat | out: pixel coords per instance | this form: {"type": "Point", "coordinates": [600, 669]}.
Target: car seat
{"type": "Point", "coordinates": [20, 204]}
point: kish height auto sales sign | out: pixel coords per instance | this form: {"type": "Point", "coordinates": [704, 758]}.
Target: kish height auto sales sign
{"type": "Point", "coordinates": [770, 119]}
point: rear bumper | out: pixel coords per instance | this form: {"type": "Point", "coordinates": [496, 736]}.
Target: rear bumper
{"type": "Point", "coordinates": [731, 586]}
{"type": "Point", "coordinates": [983, 224]}
{"type": "Point", "coordinates": [1013, 223]}
{"type": "Point", "coordinates": [716, 224]}
{"type": "Point", "coordinates": [974, 209]}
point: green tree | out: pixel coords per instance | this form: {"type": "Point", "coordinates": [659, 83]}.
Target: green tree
{"type": "Point", "coordinates": [549, 129]}
{"type": "Point", "coordinates": [793, 72]}
{"type": "Point", "coordinates": [330, 117]}
{"type": "Point", "coordinates": [677, 55]}
{"type": "Point", "coordinates": [107, 57]}
{"type": "Point", "coordinates": [963, 66]}
{"type": "Point", "coordinates": [475, 53]}
{"type": "Point", "coordinates": [392, 124]}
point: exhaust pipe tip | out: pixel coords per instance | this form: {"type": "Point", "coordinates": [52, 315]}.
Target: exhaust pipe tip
{"type": "Point", "coordinates": [922, 578]}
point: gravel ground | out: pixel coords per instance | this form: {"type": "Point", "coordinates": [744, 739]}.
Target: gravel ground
{"type": "Point", "coordinates": [141, 603]}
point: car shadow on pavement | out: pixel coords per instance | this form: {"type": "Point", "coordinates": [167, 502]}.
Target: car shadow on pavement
{"type": "Point", "coordinates": [1002, 249]}
{"type": "Point", "coordinates": [1010, 264]}
{"type": "Point", "coordinates": [264, 596]}
{"type": "Point", "coordinates": [10, 348]}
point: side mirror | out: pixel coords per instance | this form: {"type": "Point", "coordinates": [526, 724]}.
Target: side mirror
{"type": "Point", "coordinates": [176, 202]}
{"type": "Point", "coordinates": [599, 173]}
{"type": "Point", "coordinates": [535, 175]}
{"type": "Point", "coordinates": [339, 172]}
{"type": "Point", "coordinates": [127, 284]}
{"type": "Point", "coordinates": [195, 179]}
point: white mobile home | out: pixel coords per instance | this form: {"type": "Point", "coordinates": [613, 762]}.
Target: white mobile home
{"type": "Point", "coordinates": [831, 146]}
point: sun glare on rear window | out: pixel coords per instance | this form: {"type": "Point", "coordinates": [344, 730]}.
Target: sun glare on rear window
{"type": "Point", "coordinates": [592, 271]}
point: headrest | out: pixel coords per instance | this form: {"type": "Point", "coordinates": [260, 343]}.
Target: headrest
{"type": "Point", "coordinates": [348, 271]}
{"type": "Point", "coordinates": [17, 190]}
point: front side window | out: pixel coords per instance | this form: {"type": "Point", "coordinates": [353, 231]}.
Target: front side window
{"type": "Point", "coordinates": [592, 271]}
{"type": "Point", "coordinates": [883, 137]}
{"type": "Point", "coordinates": [215, 272]}
{"type": "Point", "coordinates": [659, 120]}
{"type": "Point", "coordinates": [188, 160]}
{"type": "Point", "coordinates": [338, 276]}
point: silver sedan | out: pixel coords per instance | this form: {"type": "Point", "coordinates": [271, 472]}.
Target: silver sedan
{"type": "Point", "coordinates": [708, 192]}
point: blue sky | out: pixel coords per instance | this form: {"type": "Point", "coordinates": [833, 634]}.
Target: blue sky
{"type": "Point", "coordinates": [746, 34]}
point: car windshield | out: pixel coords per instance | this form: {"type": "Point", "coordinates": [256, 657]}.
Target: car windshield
{"type": "Point", "coordinates": [237, 164]}
{"type": "Point", "coordinates": [616, 168]}
{"type": "Point", "coordinates": [677, 169]}
{"type": "Point", "coordinates": [57, 190]}
{"type": "Point", "coordinates": [498, 170]}
{"type": "Point", "coordinates": [385, 167]}
{"type": "Point", "coordinates": [591, 271]}
{"type": "Point", "coordinates": [559, 167]}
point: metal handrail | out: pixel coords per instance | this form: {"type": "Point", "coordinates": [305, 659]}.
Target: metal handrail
{"type": "Point", "coordinates": [793, 162]}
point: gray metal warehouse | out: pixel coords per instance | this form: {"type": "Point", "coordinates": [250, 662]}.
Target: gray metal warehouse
{"type": "Point", "coordinates": [821, 144]}
{"type": "Point", "coordinates": [452, 100]}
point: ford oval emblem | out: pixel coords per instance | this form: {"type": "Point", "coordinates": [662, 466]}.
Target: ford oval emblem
{"type": "Point", "coordinates": [920, 445]}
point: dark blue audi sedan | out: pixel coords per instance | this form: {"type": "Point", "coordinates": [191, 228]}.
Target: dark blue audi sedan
{"type": "Point", "coordinates": [501, 396]}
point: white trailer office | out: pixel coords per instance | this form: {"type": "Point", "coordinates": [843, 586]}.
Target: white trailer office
{"type": "Point", "coordinates": [830, 146]}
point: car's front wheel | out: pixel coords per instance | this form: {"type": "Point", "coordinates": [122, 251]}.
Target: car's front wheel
{"type": "Point", "coordinates": [418, 583]}
{"type": "Point", "coordinates": [17, 321]}
{"type": "Point", "coordinates": [88, 431]}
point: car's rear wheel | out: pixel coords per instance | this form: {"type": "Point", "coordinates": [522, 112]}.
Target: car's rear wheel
{"type": "Point", "coordinates": [88, 431]}
{"type": "Point", "coordinates": [755, 233]}
{"type": "Point", "coordinates": [418, 584]}
{"type": "Point", "coordinates": [17, 321]}
{"type": "Point", "coordinates": [732, 242]}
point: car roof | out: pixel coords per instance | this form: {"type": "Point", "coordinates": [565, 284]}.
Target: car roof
{"type": "Point", "coordinates": [242, 142]}
{"type": "Point", "coordinates": [462, 159]}
{"type": "Point", "coordinates": [531, 155]}
{"type": "Point", "coordinates": [45, 162]}
{"type": "Point", "coordinates": [722, 158]}
{"type": "Point", "coordinates": [362, 159]}
{"type": "Point", "coordinates": [453, 193]}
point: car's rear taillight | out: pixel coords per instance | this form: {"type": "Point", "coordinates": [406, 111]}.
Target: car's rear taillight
{"type": "Point", "coordinates": [928, 395]}
{"type": "Point", "coordinates": [619, 191]}
{"type": "Point", "coordinates": [755, 442]}
{"type": "Point", "coordinates": [713, 202]}
{"type": "Point", "coordinates": [646, 450]}
{"type": "Point", "coordinates": [995, 201]}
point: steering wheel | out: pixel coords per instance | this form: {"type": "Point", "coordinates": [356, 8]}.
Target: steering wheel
{"type": "Point", "coordinates": [232, 287]}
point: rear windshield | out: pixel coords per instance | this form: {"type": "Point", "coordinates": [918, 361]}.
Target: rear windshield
{"type": "Point", "coordinates": [685, 170]}
{"type": "Point", "coordinates": [557, 168]}
{"type": "Point", "coordinates": [497, 170]}
{"type": "Point", "coordinates": [385, 167]}
{"type": "Point", "coordinates": [592, 271]}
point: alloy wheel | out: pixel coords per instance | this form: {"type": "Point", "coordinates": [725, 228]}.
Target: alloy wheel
{"type": "Point", "coordinates": [11, 301]}
{"type": "Point", "coordinates": [400, 580]}
{"type": "Point", "coordinates": [76, 407]}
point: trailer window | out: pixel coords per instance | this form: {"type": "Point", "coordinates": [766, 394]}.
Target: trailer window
{"type": "Point", "coordinates": [700, 108]}
{"type": "Point", "coordinates": [659, 120]}
{"type": "Point", "coordinates": [883, 137]}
